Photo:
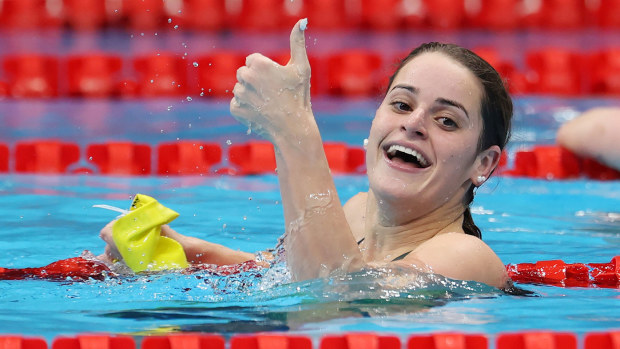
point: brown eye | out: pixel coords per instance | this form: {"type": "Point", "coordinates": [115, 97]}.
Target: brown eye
{"type": "Point", "coordinates": [401, 106]}
{"type": "Point", "coordinates": [447, 122]}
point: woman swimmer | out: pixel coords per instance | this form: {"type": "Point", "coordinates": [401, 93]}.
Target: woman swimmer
{"type": "Point", "coordinates": [436, 136]}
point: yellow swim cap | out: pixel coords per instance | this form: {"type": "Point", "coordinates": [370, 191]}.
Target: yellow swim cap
{"type": "Point", "coordinates": [138, 237]}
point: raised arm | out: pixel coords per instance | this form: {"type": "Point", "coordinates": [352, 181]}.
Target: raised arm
{"type": "Point", "coordinates": [593, 135]}
{"type": "Point", "coordinates": [274, 101]}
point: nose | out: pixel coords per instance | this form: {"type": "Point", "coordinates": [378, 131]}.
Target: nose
{"type": "Point", "coordinates": [414, 123]}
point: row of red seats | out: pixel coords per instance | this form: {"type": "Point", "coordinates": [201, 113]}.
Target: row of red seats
{"type": "Point", "coordinates": [266, 15]}
{"type": "Point", "coordinates": [353, 73]}
{"type": "Point", "coordinates": [454, 340]}
{"type": "Point", "coordinates": [175, 158]}
{"type": "Point", "coordinates": [255, 157]}
{"type": "Point", "coordinates": [558, 273]}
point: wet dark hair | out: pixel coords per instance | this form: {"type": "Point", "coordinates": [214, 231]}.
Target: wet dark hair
{"type": "Point", "coordinates": [496, 106]}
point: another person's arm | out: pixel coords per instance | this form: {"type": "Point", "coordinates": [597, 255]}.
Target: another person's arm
{"type": "Point", "coordinates": [594, 134]}
{"type": "Point", "coordinates": [274, 101]}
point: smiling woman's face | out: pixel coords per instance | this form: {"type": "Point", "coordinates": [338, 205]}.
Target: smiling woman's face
{"type": "Point", "coordinates": [423, 141]}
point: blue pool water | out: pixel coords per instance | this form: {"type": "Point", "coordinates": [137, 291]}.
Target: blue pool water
{"type": "Point", "coordinates": [46, 218]}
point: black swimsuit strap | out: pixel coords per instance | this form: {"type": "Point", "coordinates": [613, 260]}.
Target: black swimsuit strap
{"type": "Point", "coordinates": [402, 256]}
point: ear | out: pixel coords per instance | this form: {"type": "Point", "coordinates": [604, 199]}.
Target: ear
{"type": "Point", "coordinates": [485, 163]}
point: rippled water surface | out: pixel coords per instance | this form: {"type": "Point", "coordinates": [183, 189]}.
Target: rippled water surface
{"type": "Point", "coordinates": [47, 218]}
{"type": "Point", "coordinates": [51, 218]}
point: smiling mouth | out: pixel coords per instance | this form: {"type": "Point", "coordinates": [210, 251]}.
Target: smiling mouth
{"type": "Point", "coordinates": [401, 154]}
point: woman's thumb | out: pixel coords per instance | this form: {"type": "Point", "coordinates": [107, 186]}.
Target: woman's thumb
{"type": "Point", "coordinates": [298, 43]}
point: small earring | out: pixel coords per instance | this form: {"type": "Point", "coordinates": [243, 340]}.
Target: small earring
{"type": "Point", "coordinates": [365, 143]}
{"type": "Point", "coordinates": [481, 179]}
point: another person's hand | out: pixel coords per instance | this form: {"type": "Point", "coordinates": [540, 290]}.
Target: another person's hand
{"type": "Point", "coordinates": [593, 134]}
{"type": "Point", "coordinates": [274, 100]}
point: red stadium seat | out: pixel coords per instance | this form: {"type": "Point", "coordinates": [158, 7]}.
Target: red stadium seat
{"type": "Point", "coordinates": [32, 76]}
{"type": "Point", "coordinates": [534, 340]}
{"type": "Point", "coordinates": [162, 74]}
{"type": "Point", "coordinates": [4, 158]}
{"type": "Point", "coordinates": [187, 158]}
{"type": "Point", "coordinates": [28, 14]}
{"type": "Point", "coordinates": [445, 14]}
{"type": "Point", "coordinates": [329, 15]}
{"type": "Point", "coordinates": [265, 15]}
{"type": "Point", "coordinates": [45, 156]}
{"type": "Point", "coordinates": [94, 75]}
{"type": "Point", "coordinates": [208, 15]}
{"type": "Point", "coordinates": [448, 341]}
{"type": "Point", "coordinates": [354, 73]}
{"type": "Point", "coordinates": [554, 71]}
{"type": "Point", "coordinates": [217, 73]}
{"type": "Point", "coordinates": [148, 15]}
{"type": "Point", "coordinates": [382, 15]}
{"type": "Point", "coordinates": [556, 14]}
{"type": "Point", "coordinates": [608, 14]}
{"type": "Point", "coordinates": [85, 14]}
{"type": "Point", "coordinates": [604, 72]}
{"type": "Point", "coordinates": [498, 15]}
{"type": "Point", "coordinates": [121, 158]}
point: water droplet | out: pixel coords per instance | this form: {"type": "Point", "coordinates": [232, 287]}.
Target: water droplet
{"type": "Point", "coordinates": [201, 147]}
{"type": "Point", "coordinates": [176, 26]}
{"type": "Point", "coordinates": [169, 20]}
{"type": "Point", "coordinates": [228, 142]}
{"type": "Point", "coordinates": [195, 64]}
{"type": "Point", "coordinates": [189, 99]}
{"type": "Point", "coordinates": [169, 108]}
{"type": "Point", "coordinates": [90, 158]}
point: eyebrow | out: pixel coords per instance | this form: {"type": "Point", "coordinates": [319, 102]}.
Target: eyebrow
{"type": "Point", "coordinates": [454, 104]}
{"type": "Point", "coordinates": [406, 87]}
{"type": "Point", "coordinates": [440, 100]}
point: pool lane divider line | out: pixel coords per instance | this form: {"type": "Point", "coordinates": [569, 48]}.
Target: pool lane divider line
{"type": "Point", "coordinates": [552, 272]}
{"type": "Point", "coordinates": [559, 273]}
{"type": "Point", "coordinates": [173, 158]}
{"type": "Point", "coordinates": [184, 158]}
{"type": "Point", "coordinates": [528, 339]}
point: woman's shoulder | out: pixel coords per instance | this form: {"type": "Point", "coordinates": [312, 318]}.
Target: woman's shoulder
{"type": "Point", "coordinates": [464, 257]}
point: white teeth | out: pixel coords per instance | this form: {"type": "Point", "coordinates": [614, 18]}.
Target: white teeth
{"type": "Point", "coordinates": [394, 148]}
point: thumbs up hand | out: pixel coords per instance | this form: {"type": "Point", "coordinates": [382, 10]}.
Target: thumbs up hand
{"type": "Point", "coordinates": [274, 100]}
